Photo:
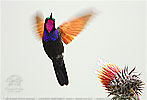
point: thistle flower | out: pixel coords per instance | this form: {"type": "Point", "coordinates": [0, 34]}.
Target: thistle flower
{"type": "Point", "coordinates": [120, 83]}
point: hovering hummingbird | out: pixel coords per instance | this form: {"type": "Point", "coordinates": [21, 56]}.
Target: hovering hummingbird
{"type": "Point", "coordinates": [52, 40]}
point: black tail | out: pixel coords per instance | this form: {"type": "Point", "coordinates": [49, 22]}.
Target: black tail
{"type": "Point", "coordinates": [60, 70]}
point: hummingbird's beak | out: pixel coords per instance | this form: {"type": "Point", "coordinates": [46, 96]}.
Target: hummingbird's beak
{"type": "Point", "coordinates": [51, 16]}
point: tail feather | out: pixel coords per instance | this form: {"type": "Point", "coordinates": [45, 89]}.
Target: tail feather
{"type": "Point", "coordinates": [60, 70]}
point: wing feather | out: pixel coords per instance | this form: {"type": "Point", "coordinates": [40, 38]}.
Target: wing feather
{"type": "Point", "coordinates": [39, 26]}
{"type": "Point", "coordinates": [70, 29]}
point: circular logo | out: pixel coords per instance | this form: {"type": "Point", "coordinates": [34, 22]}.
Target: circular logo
{"type": "Point", "coordinates": [13, 83]}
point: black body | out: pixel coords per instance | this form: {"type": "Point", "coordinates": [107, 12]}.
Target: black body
{"type": "Point", "coordinates": [54, 50]}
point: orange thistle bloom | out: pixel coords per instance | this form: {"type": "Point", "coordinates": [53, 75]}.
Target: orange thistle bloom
{"type": "Point", "coordinates": [119, 82]}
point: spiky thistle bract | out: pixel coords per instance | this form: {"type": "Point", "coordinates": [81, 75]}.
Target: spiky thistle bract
{"type": "Point", "coordinates": [120, 83]}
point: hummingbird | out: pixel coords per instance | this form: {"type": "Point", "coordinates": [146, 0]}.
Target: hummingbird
{"type": "Point", "coordinates": [52, 39]}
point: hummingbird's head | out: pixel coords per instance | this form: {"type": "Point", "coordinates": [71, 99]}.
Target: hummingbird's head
{"type": "Point", "coordinates": [49, 24]}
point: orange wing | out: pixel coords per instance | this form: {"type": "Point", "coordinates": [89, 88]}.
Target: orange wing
{"type": "Point", "coordinates": [72, 28]}
{"type": "Point", "coordinates": [39, 25]}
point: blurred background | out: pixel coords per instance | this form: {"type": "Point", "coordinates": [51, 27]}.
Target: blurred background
{"type": "Point", "coordinates": [117, 34]}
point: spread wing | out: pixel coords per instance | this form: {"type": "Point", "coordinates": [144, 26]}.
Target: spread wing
{"type": "Point", "coordinates": [70, 29]}
{"type": "Point", "coordinates": [39, 25]}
